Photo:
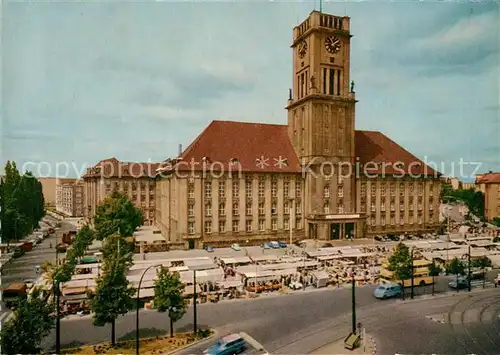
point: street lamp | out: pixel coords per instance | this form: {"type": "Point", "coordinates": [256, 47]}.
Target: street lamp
{"type": "Point", "coordinates": [353, 274]}
{"type": "Point", "coordinates": [292, 201]}
{"type": "Point", "coordinates": [137, 309]}
{"type": "Point", "coordinates": [412, 275]}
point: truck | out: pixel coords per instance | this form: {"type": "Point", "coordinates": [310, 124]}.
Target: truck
{"type": "Point", "coordinates": [15, 292]}
{"type": "Point", "coordinates": [69, 237]}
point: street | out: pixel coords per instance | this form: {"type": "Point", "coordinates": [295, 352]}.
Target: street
{"type": "Point", "coordinates": [296, 323]}
{"type": "Point", "coordinates": [23, 267]}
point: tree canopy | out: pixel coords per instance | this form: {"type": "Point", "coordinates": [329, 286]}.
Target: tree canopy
{"type": "Point", "coordinates": [168, 296]}
{"type": "Point", "coordinates": [22, 203]}
{"type": "Point", "coordinates": [474, 200]}
{"type": "Point", "coordinates": [32, 320]}
{"type": "Point", "coordinates": [117, 214]}
{"type": "Point", "coordinates": [400, 262]}
{"type": "Point", "coordinates": [455, 267]}
{"type": "Point", "coordinates": [434, 269]}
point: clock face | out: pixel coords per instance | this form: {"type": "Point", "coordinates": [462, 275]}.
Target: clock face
{"type": "Point", "coordinates": [302, 49]}
{"type": "Point", "coordinates": [332, 44]}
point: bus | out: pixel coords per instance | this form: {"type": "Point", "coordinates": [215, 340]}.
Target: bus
{"type": "Point", "coordinates": [421, 275]}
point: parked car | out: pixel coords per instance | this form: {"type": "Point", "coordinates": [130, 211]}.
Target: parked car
{"type": "Point", "coordinates": [459, 283]}
{"type": "Point", "coordinates": [282, 244]}
{"type": "Point", "coordinates": [228, 345]}
{"type": "Point", "coordinates": [274, 245]}
{"type": "Point", "coordinates": [387, 291]}
{"type": "Point", "coordinates": [266, 245]}
{"type": "Point", "coordinates": [209, 248]}
{"type": "Point", "coordinates": [235, 247]}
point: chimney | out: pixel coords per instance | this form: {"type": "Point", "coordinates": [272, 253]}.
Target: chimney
{"type": "Point", "coordinates": [180, 149]}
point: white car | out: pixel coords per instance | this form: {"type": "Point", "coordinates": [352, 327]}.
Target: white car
{"type": "Point", "coordinates": [236, 247]}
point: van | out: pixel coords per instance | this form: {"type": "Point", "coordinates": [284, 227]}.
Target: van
{"type": "Point", "coordinates": [387, 291]}
{"type": "Point", "coordinates": [228, 345]}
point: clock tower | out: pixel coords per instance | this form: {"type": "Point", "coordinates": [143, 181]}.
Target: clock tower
{"type": "Point", "coordinates": [321, 124]}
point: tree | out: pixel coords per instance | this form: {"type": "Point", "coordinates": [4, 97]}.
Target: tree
{"type": "Point", "coordinates": [496, 221]}
{"type": "Point", "coordinates": [113, 295]}
{"type": "Point", "coordinates": [401, 263]}
{"type": "Point", "coordinates": [434, 270]}
{"type": "Point", "coordinates": [168, 296]}
{"type": "Point", "coordinates": [32, 320]}
{"type": "Point", "coordinates": [117, 214]}
{"type": "Point", "coordinates": [455, 267]}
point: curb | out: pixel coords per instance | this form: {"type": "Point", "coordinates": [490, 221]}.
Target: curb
{"type": "Point", "coordinates": [191, 344]}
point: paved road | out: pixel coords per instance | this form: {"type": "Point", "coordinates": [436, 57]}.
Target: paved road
{"type": "Point", "coordinates": [273, 320]}
{"type": "Point", "coordinates": [23, 267]}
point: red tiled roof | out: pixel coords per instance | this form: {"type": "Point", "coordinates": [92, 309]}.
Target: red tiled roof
{"type": "Point", "coordinates": [248, 143]}
{"type": "Point", "coordinates": [376, 149]}
{"type": "Point", "coordinates": [112, 167]}
{"type": "Point", "coordinates": [489, 178]}
{"type": "Point", "coordinates": [240, 146]}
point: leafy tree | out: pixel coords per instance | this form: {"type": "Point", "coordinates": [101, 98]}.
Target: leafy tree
{"type": "Point", "coordinates": [472, 198]}
{"type": "Point", "coordinates": [434, 270]}
{"type": "Point", "coordinates": [455, 267]}
{"type": "Point", "coordinates": [113, 295]}
{"type": "Point", "coordinates": [31, 322]}
{"type": "Point", "coordinates": [117, 214]}
{"type": "Point", "coordinates": [496, 221]}
{"type": "Point", "coordinates": [116, 242]}
{"type": "Point", "coordinates": [400, 263]}
{"type": "Point", "coordinates": [482, 263]}
{"type": "Point", "coordinates": [168, 296]}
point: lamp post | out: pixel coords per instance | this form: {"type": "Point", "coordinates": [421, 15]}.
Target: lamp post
{"type": "Point", "coordinates": [58, 306]}
{"type": "Point", "coordinates": [291, 220]}
{"type": "Point", "coordinates": [412, 294]}
{"type": "Point", "coordinates": [137, 308]}
{"type": "Point", "coordinates": [195, 301]}
{"type": "Point", "coordinates": [353, 302]}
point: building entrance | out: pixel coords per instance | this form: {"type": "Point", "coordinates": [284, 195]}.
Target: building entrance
{"type": "Point", "coordinates": [349, 230]}
{"type": "Point", "coordinates": [335, 231]}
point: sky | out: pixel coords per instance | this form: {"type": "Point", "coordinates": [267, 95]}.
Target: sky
{"type": "Point", "coordinates": [88, 81]}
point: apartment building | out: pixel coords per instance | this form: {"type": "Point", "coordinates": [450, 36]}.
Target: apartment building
{"type": "Point", "coordinates": [136, 180]}
{"type": "Point", "coordinates": [70, 198]}
{"type": "Point", "coordinates": [489, 184]}
{"type": "Point", "coordinates": [316, 177]}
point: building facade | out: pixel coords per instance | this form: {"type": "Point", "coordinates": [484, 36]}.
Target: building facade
{"type": "Point", "coordinates": [489, 184]}
{"type": "Point", "coordinates": [136, 180]}
{"type": "Point", "coordinates": [70, 198]}
{"type": "Point", "coordinates": [49, 188]}
{"type": "Point", "coordinates": [316, 177]}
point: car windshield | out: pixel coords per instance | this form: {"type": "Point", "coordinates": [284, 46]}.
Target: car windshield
{"type": "Point", "coordinates": [381, 288]}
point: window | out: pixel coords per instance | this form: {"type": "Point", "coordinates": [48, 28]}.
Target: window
{"type": "Point", "coordinates": [248, 188]}
{"type": "Point", "coordinates": [393, 189]}
{"type": "Point", "coordinates": [420, 189]}
{"type": "Point", "coordinates": [298, 207]}
{"type": "Point", "coordinates": [286, 224]}
{"type": "Point", "coordinates": [393, 208]}
{"type": "Point", "coordinates": [382, 204]}
{"type": "Point", "coordinates": [363, 208]}
{"type": "Point", "coordinates": [373, 221]}
{"type": "Point", "coordinates": [401, 218]}
{"type": "Point", "coordinates": [190, 210]}
{"type": "Point", "coordinates": [325, 72]}
{"type": "Point", "coordinates": [222, 209]}
{"type": "Point", "coordinates": [340, 191]}
{"type": "Point", "coordinates": [208, 227]}
{"type": "Point", "coordinates": [236, 189]}
{"type": "Point", "coordinates": [373, 189]}
{"type": "Point", "coordinates": [222, 226]}
{"type": "Point", "coordinates": [222, 189]}
{"type": "Point", "coordinates": [262, 189]}
{"type": "Point", "coordinates": [411, 187]}
{"type": "Point", "coordinates": [331, 82]}
{"type": "Point", "coordinates": [262, 225]}
{"type": "Point", "coordinates": [326, 191]}
{"type": "Point", "coordinates": [382, 219]}
{"type": "Point", "coordinates": [326, 208]}
{"type": "Point", "coordinates": [382, 190]}
{"type": "Point", "coordinates": [208, 189]}
{"type": "Point", "coordinates": [208, 210]}
{"type": "Point", "coordinates": [393, 220]}
{"type": "Point", "coordinates": [298, 188]}
{"type": "Point", "coordinates": [249, 209]}
{"type": "Point", "coordinates": [248, 226]}
{"type": "Point", "coordinates": [191, 229]}
{"type": "Point", "coordinates": [401, 206]}
{"type": "Point", "coordinates": [298, 224]}
{"type": "Point", "coordinates": [236, 209]}
{"type": "Point", "coordinates": [274, 225]}
{"type": "Point", "coordinates": [236, 226]}
{"type": "Point", "coordinates": [363, 189]}
{"type": "Point", "coordinates": [340, 209]}
{"type": "Point", "coordinates": [286, 208]}
{"type": "Point", "coordinates": [420, 219]}
{"type": "Point", "coordinates": [274, 189]}
{"type": "Point", "coordinates": [286, 189]}
{"type": "Point", "coordinates": [274, 208]}
{"type": "Point", "coordinates": [261, 209]}
{"type": "Point", "coordinates": [410, 219]}
{"type": "Point", "coordinates": [190, 191]}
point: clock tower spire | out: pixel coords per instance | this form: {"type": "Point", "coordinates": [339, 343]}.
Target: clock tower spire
{"type": "Point", "coordinates": [321, 115]}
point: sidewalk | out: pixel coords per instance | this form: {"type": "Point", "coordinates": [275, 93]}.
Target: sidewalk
{"type": "Point", "coordinates": [337, 348]}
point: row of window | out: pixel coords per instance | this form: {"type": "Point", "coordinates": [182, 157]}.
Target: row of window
{"type": "Point", "coordinates": [235, 226]}
{"type": "Point", "coordinates": [248, 209]}
{"type": "Point", "coordinates": [392, 219]}
{"type": "Point", "coordinates": [248, 189]}
{"type": "Point", "coordinates": [402, 190]}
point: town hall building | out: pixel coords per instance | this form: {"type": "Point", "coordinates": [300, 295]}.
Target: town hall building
{"type": "Point", "coordinates": [316, 177]}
